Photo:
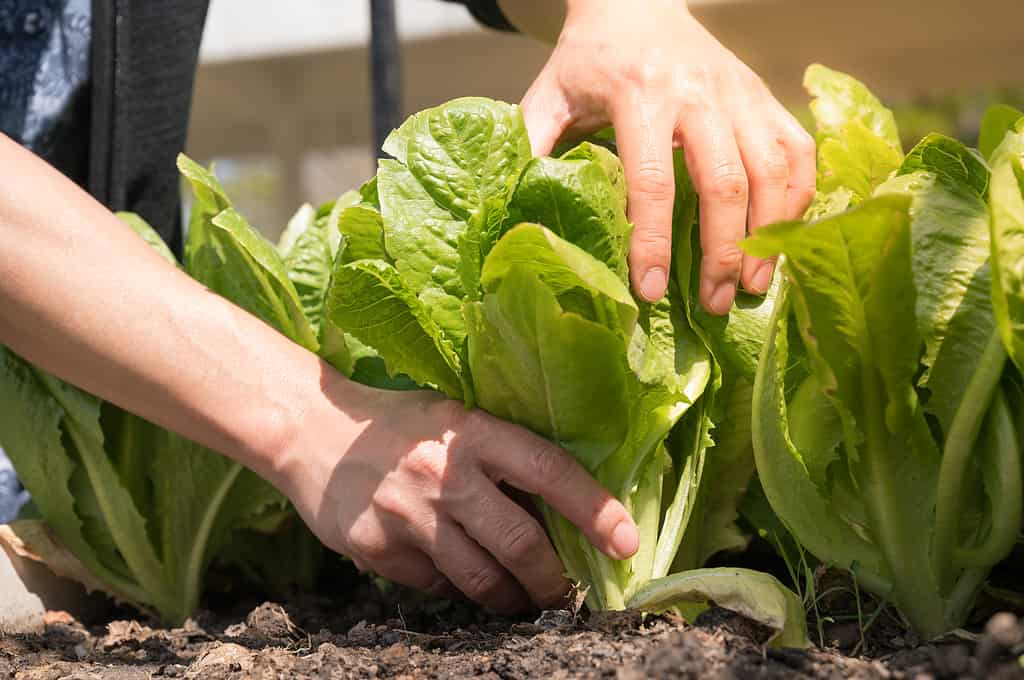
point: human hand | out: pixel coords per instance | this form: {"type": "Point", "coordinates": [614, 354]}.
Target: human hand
{"type": "Point", "coordinates": [663, 81]}
{"type": "Point", "coordinates": [413, 496]}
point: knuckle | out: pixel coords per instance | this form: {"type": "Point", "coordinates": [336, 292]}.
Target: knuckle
{"type": "Point", "coordinates": [696, 81]}
{"type": "Point", "coordinates": [390, 500]}
{"type": "Point", "coordinates": [728, 184]}
{"type": "Point", "coordinates": [773, 170]}
{"type": "Point", "coordinates": [520, 544]}
{"type": "Point", "coordinates": [652, 182]}
{"type": "Point", "coordinates": [366, 547]}
{"type": "Point", "coordinates": [551, 468]}
{"type": "Point", "coordinates": [427, 463]}
{"type": "Point", "coordinates": [476, 422]}
{"type": "Point", "coordinates": [802, 142]}
{"type": "Point", "coordinates": [482, 582]}
{"type": "Point", "coordinates": [652, 241]}
{"type": "Point", "coordinates": [449, 414]}
{"type": "Point", "coordinates": [728, 257]}
{"type": "Point", "coordinates": [647, 71]}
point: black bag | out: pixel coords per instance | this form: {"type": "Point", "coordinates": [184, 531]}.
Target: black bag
{"type": "Point", "coordinates": [144, 57]}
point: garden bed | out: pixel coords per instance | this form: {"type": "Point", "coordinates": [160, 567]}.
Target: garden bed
{"type": "Point", "coordinates": [363, 633]}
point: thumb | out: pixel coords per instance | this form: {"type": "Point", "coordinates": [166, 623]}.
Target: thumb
{"type": "Point", "coordinates": [546, 113]}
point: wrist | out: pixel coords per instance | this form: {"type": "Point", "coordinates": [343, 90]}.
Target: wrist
{"type": "Point", "coordinates": [315, 408]}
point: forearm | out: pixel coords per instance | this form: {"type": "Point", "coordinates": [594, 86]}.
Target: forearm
{"type": "Point", "coordinates": [86, 299]}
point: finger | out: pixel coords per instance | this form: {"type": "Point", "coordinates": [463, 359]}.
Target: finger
{"type": "Point", "coordinates": [539, 467]}
{"type": "Point", "coordinates": [546, 114]}
{"type": "Point", "coordinates": [802, 159]}
{"type": "Point", "coordinates": [767, 167]}
{"type": "Point", "coordinates": [414, 569]}
{"type": "Point", "coordinates": [371, 547]}
{"type": "Point", "coordinates": [511, 535]}
{"type": "Point", "coordinates": [644, 136]}
{"type": "Point", "coordinates": [473, 571]}
{"type": "Point", "coordinates": [721, 180]}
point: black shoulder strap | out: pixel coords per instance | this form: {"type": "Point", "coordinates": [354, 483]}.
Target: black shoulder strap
{"type": "Point", "coordinates": [488, 13]}
{"type": "Point", "coordinates": [144, 57]}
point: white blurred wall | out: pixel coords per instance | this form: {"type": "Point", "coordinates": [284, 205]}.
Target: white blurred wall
{"type": "Point", "coordinates": [283, 88]}
{"type": "Point", "coordinates": [248, 29]}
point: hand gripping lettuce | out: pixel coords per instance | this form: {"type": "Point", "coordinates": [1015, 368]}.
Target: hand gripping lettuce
{"type": "Point", "coordinates": [501, 280]}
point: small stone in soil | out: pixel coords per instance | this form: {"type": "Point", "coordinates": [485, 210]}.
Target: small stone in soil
{"type": "Point", "coordinates": [554, 618]}
{"type": "Point", "coordinates": [1003, 633]}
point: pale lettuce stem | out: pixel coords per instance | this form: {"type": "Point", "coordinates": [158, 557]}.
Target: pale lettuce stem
{"type": "Point", "coordinates": [882, 486]}
{"type": "Point", "coordinates": [872, 582]}
{"type": "Point", "coordinates": [961, 600]}
{"type": "Point", "coordinates": [604, 577]}
{"type": "Point", "coordinates": [566, 539]}
{"type": "Point", "coordinates": [963, 432]}
{"type": "Point", "coordinates": [152, 584]}
{"type": "Point", "coordinates": [1005, 513]}
{"type": "Point", "coordinates": [674, 525]}
{"type": "Point", "coordinates": [600, 312]}
{"type": "Point", "coordinates": [646, 511]}
{"type": "Point", "coordinates": [192, 581]}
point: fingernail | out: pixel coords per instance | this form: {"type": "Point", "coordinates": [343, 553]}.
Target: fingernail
{"type": "Point", "coordinates": [762, 277]}
{"type": "Point", "coordinates": [625, 540]}
{"type": "Point", "coordinates": [653, 284]}
{"type": "Point", "coordinates": [721, 298]}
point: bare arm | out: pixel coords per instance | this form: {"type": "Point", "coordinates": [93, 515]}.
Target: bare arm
{"type": "Point", "coordinates": [82, 296]}
{"type": "Point", "coordinates": [404, 483]}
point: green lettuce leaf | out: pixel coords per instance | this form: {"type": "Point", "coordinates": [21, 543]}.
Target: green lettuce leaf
{"type": "Point", "coordinates": [738, 337]}
{"type": "Point", "coordinates": [728, 469]}
{"type": "Point", "coordinates": [308, 258]}
{"type": "Point", "coordinates": [557, 373]}
{"type": "Point", "coordinates": [949, 159]}
{"type": "Point", "coordinates": [950, 241]}
{"type": "Point", "coordinates": [1006, 206]}
{"type": "Point", "coordinates": [582, 283]}
{"type": "Point", "coordinates": [803, 503]}
{"type": "Point", "coordinates": [142, 508]}
{"type": "Point", "coordinates": [421, 237]}
{"type": "Point", "coordinates": [362, 228]}
{"type": "Point", "coordinates": [858, 143]}
{"type": "Point", "coordinates": [998, 121]}
{"type": "Point", "coordinates": [466, 155]}
{"type": "Point", "coordinates": [855, 291]}
{"type": "Point", "coordinates": [582, 198]}
{"type": "Point", "coordinates": [34, 432]}
{"type": "Point", "coordinates": [370, 300]}
{"type": "Point", "coordinates": [757, 596]}
{"type": "Point", "coordinates": [304, 218]}
{"type": "Point", "coordinates": [231, 258]}
{"type": "Point", "coordinates": [853, 284]}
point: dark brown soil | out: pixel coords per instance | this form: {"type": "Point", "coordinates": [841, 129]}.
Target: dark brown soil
{"type": "Point", "coordinates": [370, 634]}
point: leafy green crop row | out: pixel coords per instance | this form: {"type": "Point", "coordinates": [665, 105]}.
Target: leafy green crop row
{"type": "Point", "coordinates": [870, 387]}
{"type": "Point", "coordinates": [886, 416]}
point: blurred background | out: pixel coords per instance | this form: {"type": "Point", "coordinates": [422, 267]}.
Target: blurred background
{"type": "Point", "coordinates": [283, 94]}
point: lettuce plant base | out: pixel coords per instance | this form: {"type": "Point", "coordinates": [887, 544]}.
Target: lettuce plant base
{"type": "Point", "coordinates": [367, 634]}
